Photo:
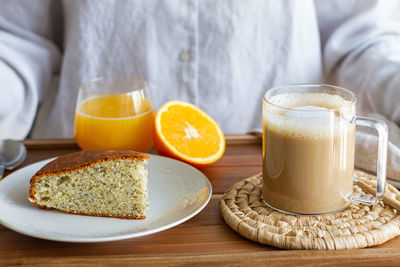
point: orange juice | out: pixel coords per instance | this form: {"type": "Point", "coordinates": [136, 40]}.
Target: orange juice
{"type": "Point", "coordinates": [114, 122]}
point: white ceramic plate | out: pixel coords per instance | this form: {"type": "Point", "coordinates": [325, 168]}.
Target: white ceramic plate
{"type": "Point", "coordinates": [177, 192]}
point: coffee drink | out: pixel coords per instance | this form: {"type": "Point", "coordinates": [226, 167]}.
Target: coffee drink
{"type": "Point", "coordinates": [308, 152]}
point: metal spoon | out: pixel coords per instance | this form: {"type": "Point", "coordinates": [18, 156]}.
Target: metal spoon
{"type": "Point", "coordinates": [12, 153]}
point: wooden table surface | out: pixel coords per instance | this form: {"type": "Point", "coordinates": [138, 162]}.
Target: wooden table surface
{"type": "Point", "coordinates": [205, 239]}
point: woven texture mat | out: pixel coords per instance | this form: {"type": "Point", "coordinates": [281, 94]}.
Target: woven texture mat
{"type": "Point", "coordinates": [357, 226]}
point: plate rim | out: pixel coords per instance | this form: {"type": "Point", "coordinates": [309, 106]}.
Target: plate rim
{"type": "Point", "coordinates": [116, 237]}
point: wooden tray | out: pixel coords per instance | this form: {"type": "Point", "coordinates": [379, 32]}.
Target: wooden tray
{"type": "Point", "coordinates": [203, 240]}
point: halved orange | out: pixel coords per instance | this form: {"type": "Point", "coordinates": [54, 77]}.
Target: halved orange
{"type": "Point", "coordinates": [185, 132]}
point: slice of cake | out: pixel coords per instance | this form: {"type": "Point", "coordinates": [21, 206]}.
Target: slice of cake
{"type": "Point", "coordinates": [95, 183]}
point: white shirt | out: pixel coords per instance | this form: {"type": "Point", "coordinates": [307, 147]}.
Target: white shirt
{"type": "Point", "coordinates": [220, 55]}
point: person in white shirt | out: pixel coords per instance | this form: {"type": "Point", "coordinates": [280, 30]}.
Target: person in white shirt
{"type": "Point", "coordinates": [220, 55]}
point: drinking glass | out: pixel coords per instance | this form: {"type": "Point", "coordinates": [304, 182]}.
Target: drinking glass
{"type": "Point", "coordinates": [114, 113]}
{"type": "Point", "coordinates": [308, 149]}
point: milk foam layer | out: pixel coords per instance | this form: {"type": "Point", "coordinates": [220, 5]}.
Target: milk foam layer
{"type": "Point", "coordinates": [291, 100]}
{"type": "Point", "coordinates": [310, 114]}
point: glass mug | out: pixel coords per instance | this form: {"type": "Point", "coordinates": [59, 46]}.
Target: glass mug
{"type": "Point", "coordinates": [308, 149]}
{"type": "Point", "coordinates": [114, 113]}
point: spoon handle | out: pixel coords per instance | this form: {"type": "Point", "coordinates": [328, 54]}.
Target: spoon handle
{"type": "Point", "coordinates": [2, 167]}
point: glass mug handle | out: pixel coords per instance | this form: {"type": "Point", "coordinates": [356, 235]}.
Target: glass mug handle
{"type": "Point", "coordinates": [382, 129]}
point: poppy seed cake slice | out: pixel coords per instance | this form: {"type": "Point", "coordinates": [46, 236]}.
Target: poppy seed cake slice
{"type": "Point", "coordinates": [95, 183]}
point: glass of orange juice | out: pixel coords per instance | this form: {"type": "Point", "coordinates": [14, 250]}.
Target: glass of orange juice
{"type": "Point", "coordinates": [114, 113]}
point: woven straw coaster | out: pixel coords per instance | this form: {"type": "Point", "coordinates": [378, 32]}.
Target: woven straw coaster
{"type": "Point", "coordinates": [357, 226]}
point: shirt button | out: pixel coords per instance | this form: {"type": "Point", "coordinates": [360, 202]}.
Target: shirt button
{"type": "Point", "coordinates": [185, 56]}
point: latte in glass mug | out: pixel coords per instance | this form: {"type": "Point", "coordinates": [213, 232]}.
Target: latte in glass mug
{"type": "Point", "coordinates": [308, 148]}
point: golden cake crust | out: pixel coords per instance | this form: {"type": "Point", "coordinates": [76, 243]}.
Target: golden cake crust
{"type": "Point", "coordinates": [81, 160]}
{"type": "Point", "coordinates": [84, 159]}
